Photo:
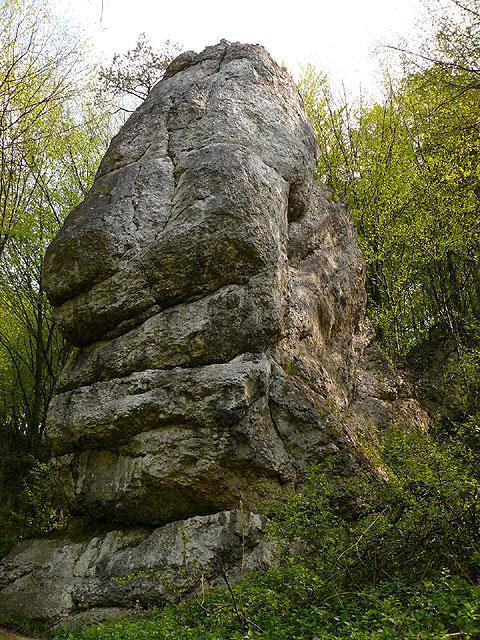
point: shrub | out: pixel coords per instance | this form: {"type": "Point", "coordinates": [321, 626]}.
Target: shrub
{"type": "Point", "coordinates": [37, 509]}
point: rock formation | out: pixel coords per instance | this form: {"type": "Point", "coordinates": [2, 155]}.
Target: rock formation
{"type": "Point", "coordinates": [204, 282]}
{"type": "Point", "coordinates": [91, 575]}
{"type": "Point", "coordinates": [216, 300]}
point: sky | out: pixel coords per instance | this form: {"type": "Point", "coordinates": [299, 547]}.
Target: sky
{"type": "Point", "coordinates": [339, 37]}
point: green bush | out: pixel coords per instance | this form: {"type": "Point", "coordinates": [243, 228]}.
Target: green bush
{"type": "Point", "coordinates": [37, 509]}
{"type": "Point", "coordinates": [292, 603]}
{"type": "Point", "coordinates": [426, 514]}
{"type": "Point", "coordinates": [462, 384]}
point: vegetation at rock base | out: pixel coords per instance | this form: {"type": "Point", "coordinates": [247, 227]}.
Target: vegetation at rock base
{"type": "Point", "coordinates": [302, 610]}
{"type": "Point", "coordinates": [384, 560]}
{"type": "Point", "coordinates": [397, 559]}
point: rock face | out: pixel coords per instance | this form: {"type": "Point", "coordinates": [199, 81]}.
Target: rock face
{"type": "Point", "coordinates": [111, 573]}
{"type": "Point", "coordinates": [215, 297]}
{"type": "Point", "coordinates": [217, 302]}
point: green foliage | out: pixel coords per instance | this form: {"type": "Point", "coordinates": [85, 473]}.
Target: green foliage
{"type": "Point", "coordinates": [291, 604]}
{"type": "Point", "coordinates": [37, 509]}
{"type": "Point", "coordinates": [426, 514]}
{"type": "Point", "coordinates": [42, 498]}
{"type": "Point", "coordinates": [409, 169]}
{"type": "Point", "coordinates": [462, 383]}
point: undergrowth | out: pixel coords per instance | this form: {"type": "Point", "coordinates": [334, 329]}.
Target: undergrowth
{"type": "Point", "coordinates": [381, 560]}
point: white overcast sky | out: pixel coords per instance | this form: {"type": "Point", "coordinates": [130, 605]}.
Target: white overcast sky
{"type": "Point", "coordinates": [338, 36]}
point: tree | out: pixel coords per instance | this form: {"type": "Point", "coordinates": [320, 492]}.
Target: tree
{"type": "Point", "coordinates": [40, 72]}
{"type": "Point", "coordinates": [456, 44]}
{"type": "Point", "coordinates": [408, 167]}
{"type": "Point", "coordinates": [132, 75]}
{"type": "Point", "coordinates": [51, 140]}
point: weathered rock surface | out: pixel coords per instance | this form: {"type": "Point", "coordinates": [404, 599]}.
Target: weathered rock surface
{"type": "Point", "coordinates": [383, 396]}
{"type": "Point", "coordinates": [204, 280]}
{"type": "Point", "coordinates": [217, 302]}
{"type": "Point", "coordinates": [75, 580]}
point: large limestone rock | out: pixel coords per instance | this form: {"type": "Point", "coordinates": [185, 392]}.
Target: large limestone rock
{"type": "Point", "coordinates": [216, 301]}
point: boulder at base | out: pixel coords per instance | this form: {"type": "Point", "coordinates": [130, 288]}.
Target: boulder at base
{"type": "Point", "coordinates": [86, 576]}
